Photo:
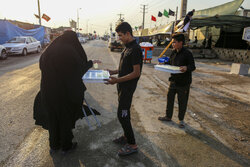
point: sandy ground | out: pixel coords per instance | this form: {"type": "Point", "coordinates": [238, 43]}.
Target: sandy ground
{"type": "Point", "coordinates": [217, 121]}
{"type": "Point", "coordinates": [218, 114]}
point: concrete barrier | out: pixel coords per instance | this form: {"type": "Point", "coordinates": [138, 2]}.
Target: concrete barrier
{"type": "Point", "coordinates": [239, 69]}
{"type": "Point", "coordinates": [235, 55]}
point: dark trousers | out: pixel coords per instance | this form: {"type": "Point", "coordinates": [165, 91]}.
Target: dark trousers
{"type": "Point", "coordinates": [125, 99]}
{"type": "Point", "coordinates": [60, 134]}
{"type": "Point", "coordinates": [182, 94]}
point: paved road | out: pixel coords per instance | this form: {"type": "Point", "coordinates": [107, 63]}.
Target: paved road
{"type": "Point", "coordinates": [201, 143]}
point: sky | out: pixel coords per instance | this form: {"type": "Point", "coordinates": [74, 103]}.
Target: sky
{"type": "Point", "coordinates": [98, 15]}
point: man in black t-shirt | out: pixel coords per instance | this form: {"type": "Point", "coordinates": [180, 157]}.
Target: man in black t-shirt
{"type": "Point", "coordinates": [179, 83]}
{"type": "Point", "coordinates": [129, 72]}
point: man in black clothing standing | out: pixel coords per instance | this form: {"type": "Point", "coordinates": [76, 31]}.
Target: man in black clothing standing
{"type": "Point", "coordinates": [179, 83]}
{"type": "Point", "coordinates": [128, 75]}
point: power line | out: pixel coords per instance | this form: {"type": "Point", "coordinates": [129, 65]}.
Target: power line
{"type": "Point", "coordinates": [157, 4]}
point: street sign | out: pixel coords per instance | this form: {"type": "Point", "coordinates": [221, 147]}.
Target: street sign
{"type": "Point", "coordinates": [246, 34]}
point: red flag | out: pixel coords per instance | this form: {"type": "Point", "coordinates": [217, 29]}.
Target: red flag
{"type": "Point", "coordinates": [45, 17]}
{"type": "Point", "coordinates": [153, 18]}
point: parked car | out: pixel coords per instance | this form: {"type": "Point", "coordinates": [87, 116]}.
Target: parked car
{"type": "Point", "coordinates": [3, 53]}
{"type": "Point", "coordinates": [22, 45]}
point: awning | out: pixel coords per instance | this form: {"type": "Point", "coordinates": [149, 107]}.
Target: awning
{"type": "Point", "coordinates": [164, 29]}
{"type": "Point", "coordinates": [221, 21]}
{"type": "Point", "coordinates": [9, 30]}
{"type": "Point", "coordinates": [229, 8]}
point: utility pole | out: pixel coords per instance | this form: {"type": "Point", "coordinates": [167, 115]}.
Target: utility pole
{"type": "Point", "coordinates": [176, 13]}
{"type": "Point", "coordinates": [39, 14]}
{"type": "Point", "coordinates": [183, 8]}
{"type": "Point", "coordinates": [120, 18]}
{"type": "Point", "coordinates": [78, 19]}
{"type": "Point", "coordinates": [143, 15]}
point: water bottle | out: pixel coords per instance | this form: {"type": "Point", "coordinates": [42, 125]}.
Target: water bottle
{"type": "Point", "coordinates": [95, 65]}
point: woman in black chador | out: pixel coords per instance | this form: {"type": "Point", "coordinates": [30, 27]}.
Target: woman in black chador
{"type": "Point", "coordinates": [59, 102]}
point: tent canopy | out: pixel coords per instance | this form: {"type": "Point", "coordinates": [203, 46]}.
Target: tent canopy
{"type": "Point", "coordinates": [229, 8]}
{"type": "Point", "coordinates": [164, 29]}
{"type": "Point", "coordinates": [221, 21]}
{"type": "Point", "coordinates": [9, 30]}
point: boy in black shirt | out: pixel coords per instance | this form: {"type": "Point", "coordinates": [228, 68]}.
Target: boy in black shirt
{"type": "Point", "coordinates": [128, 75]}
{"type": "Point", "coordinates": [179, 83]}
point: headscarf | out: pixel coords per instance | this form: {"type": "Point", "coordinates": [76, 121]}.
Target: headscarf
{"type": "Point", "coordinates": [69, 39]}
{"type": "Point", "coordinates": [65, 62]}
{"type": "Point", "coordinates": [62, 64]}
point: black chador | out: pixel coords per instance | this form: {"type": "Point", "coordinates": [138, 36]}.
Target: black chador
{"type": "Point", "coordinates": [58, 104]}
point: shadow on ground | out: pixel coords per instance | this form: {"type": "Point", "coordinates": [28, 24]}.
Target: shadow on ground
{"type": "Point", "coordinates": [212, 143]}
{"type": "Point", "coordinates": [95, 148]}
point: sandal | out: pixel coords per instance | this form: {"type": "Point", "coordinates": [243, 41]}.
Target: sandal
{"type": "Point", "coordinates": [181, 124]}
{"type": "Point", "coordinates": [120, 140]}
{"type": "Point", "coordinates": [127, 150]}
{"type": "Point", "coordinates": [164, 118]}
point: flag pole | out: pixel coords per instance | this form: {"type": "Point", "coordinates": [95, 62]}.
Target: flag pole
{"type": "Point", "coordinates": [176, 14]}
{"type": "Point", "coordinates": [78, 19]}
{"type": "Point", "coordinates": [174, 24]}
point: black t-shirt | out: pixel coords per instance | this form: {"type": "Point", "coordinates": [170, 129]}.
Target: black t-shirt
{"type": "Point", "coordinates": [130, 56]}
{"type": "Point", "coordinates": [182, 58]}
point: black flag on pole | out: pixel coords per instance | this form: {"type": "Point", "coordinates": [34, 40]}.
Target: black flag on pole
{"type": "Point", "coordinates": [159, 14]}
{"type": "Point", "coordinates": [170, 12]}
